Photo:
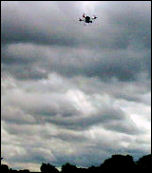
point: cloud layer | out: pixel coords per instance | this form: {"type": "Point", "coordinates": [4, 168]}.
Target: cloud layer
{"type": "Point", "coordinates": [75, 93]}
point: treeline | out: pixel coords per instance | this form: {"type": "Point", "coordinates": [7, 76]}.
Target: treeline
{"type": "Point", "coordinates": [117, 163]}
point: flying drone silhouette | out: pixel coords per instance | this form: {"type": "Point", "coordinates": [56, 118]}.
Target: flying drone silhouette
{"type": "Point", "coordinates": [87, 19]}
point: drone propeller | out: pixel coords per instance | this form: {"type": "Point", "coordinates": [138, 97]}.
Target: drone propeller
{"type": "Point", "coordinates": [83, 15]}
{"type": "Point", "coordinates": [94, 17]}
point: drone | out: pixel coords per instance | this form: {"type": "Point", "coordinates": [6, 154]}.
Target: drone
{"type": "Point", "coordinates": [87, 19]}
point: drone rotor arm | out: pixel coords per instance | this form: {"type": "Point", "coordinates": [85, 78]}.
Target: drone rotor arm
{"type": "Point", "coordinates": [94, 17]}
{"type": "Point", "coordinates": [81, 20]}
{"type": "Point", "coordinates": [83, 15]}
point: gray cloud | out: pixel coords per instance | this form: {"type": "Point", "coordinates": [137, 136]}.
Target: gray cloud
{"type": "Point", "coordinates": [66, 85]}
{"type": "Point", "coordinates": [38, 62]}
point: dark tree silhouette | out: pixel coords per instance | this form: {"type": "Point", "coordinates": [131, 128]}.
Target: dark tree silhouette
{"type": "Point", "coordinates": [4, 168]}
{"type": "Point", "coordinates": [69, 168]}
{"type": "Point", "coordinates": [47, 168]}
{"type": "Point", "coordinates": [93, 169]}
{"type": "Point", "coordinates": [24, 171]}
{"type": "Point", "coordinates": [13, 171]}
{"type": "Point", "coordinates": [119, 163]}
{"type": "Point", "coordinates": [144, 163]}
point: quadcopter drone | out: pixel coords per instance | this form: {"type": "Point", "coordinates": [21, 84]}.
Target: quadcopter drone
{"type": "Point", "coordinates": [87, 19]}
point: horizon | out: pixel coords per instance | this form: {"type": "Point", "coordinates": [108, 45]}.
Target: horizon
{"type": "Point", "coordinates": [74, 93]}
{"type": "Point", "coordinates": [60, 168]}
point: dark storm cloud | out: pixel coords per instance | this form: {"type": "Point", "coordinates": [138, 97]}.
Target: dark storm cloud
{"type": "Point", "coordinates": [66, 85]}
{"type": "Point", "coordinates": [114, 120]}
{"type": "Point", "coordinates": [117, 31]}
{"type": "Point", "coordinates": [56, 108]}
{"type": "Point", "coordinates": [124, 65]}
{"type": "Point", "coordinates": [33, 26]}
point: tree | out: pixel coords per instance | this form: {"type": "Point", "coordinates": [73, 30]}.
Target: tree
{"type": "Point", "coordinates": [4, 168]}
{"type": "Point", "coordinates": [119, 163]}
{"type": "Point", "coordinates": [69, 168]}
{"type": "Point", "coordinates": [47, 168]}
{"type": "Point", "coordinates": [144, 163]}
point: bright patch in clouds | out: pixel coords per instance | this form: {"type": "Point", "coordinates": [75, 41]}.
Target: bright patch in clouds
{"type": "Point", "coordinates": [66, 85]}
{"type": "Point", "coordinates": [88, 6]}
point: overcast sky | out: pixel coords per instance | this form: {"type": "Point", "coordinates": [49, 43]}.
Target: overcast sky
{"type": "Point", "coordinates": [70, 92]}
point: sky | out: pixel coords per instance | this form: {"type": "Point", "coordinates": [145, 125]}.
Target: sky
{"type": "Point", "coordinates": [73, 92]}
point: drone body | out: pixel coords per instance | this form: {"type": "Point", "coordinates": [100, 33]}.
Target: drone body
{"type": "Point", "coordinates": [87, 19]}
